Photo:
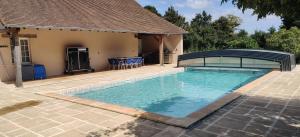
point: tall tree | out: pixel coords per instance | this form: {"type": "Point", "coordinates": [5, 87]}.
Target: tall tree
{"type": "Point", "coordinates": [242, 33]}
{"type": "Point", "coordinates": [203, 33]}
{"type": "Point", "coordinates": [286, 40]}
{"type": "Point", "coordinates": [272, 30]}
{"type": "Point", "coordinates": [242, 40]}
{"type": "Point", "coordinates": [201, 19]}
{"type": "Point", "coordinates": [174, 17]}
{"type": "Point", "coordinates": [260, 37]}
{"type": "Point", "coordinates": [152, 9]}
{"type": "Point", "coordinates": [288, 10]}
{"type": "Point", "coordinates": [225, 27]}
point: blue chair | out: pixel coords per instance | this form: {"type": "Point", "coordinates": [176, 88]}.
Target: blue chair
{"type": "Point", "coordinates": [143, 61]}
{"type": "Point", "coordinates": [121, 63]}
{"type": "Point", "coordinates": [130, 62]}
{"type": "Point", "coordinates": [135, 62]}
{"type": "Point", "coordinates": [112, 63]}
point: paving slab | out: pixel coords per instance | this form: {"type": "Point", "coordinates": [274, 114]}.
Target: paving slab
{"type": "Point", "coordinates": [271, 109]}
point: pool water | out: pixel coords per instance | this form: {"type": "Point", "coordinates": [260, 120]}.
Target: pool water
{"type": "Point", "coordinates": [176, 95]}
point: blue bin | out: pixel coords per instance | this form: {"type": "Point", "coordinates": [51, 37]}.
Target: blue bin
{"type": "Point", "coordinates": [39, 72]}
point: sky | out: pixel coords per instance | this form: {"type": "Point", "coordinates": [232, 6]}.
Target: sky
{"type": "Point", "coordinates": [189, 8]}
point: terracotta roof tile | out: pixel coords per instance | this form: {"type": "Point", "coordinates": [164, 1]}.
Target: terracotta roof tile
{"type": "Point", "coordinates": [99, 15]}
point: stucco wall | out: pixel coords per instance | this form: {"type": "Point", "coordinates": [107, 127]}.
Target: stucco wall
{"type": "Point", "coordinates": [149, 44]}
{"type": "Point", "coordinates": [174, 43]}
{"type": "Point", "coordinates": [7, 69]}
{"type": "Point", "coordinates": [49, 49]}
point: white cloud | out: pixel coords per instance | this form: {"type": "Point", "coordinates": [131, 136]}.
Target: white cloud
{"type": "Point", "coordinates": [194, 4]}
{"type": "Point", "coordinates": [189, 16]}
{"type": "Point", "coordinates": [190, 7]}
{"type": "Point", "coordinates": [197, 4]}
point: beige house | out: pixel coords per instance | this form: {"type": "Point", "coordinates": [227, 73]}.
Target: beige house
{"type": "Point", "coordinates": [39, 31]}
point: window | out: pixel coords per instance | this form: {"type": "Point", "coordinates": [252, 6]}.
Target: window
{"type": "Point", "coordinates": [25, 50]}
{"type": "Point", "coordinates": [24, 43]}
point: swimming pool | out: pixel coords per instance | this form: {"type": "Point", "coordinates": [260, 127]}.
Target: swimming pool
{"type": "Point", "coordinates": [174, 95]}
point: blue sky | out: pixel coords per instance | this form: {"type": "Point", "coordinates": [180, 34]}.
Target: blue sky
{"type": "Point", "coordinates": [189, 8]}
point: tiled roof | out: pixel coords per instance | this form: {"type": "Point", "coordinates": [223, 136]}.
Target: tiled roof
{"type": "Point", "coordinates": [98, 15]}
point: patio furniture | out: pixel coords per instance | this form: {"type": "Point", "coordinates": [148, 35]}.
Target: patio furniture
{"type": "Point", "coordinates": [112, 63]}
{"type": "Point", "coordinates": [122, 62]}
{"type": "Point", "coordinates": [137, 62]}
{"type": "Point", "coordinates": [130, 62]}
{"type": "Point", "coordinates": [125, 62]}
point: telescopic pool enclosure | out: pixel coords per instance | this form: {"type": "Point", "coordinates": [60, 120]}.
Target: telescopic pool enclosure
{"type": "Point", "coordinates": [239, 58]}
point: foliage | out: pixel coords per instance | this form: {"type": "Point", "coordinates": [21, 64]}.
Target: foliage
{"type": "Point", "coordinates": [207, 34]}
{"type": "Point", "coordinates": [244, 42]}
{"type": "Point", "coordinates": [242, 33]}
{"type": "Point", "coordinates": [153, 10]}
{"type": "Point", "coordinates": [288, 10]}
{"type": "Point", "coordinates": [260, 37]}
{"type": "Point", "coordinates": [174, 17]}
{"type": "Point", "coordinates": [272, 30]}
{"type": "Point", "coordinates": [286, 40]}
{"type": "Point", "coordinates": [202, 34]}
{"type": "Point", "coordinates": [224, 28]}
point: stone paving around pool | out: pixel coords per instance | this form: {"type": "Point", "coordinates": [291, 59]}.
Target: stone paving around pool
{"type": "Point", "coordinates": [270, 109]}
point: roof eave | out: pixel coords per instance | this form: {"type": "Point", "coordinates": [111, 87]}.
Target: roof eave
{"type": "Point", "coordinates": [181, 32]}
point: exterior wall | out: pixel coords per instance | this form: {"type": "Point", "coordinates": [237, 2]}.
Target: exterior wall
{"type": "Point", "coordinates": [49, 49]}
{"type": "Point", "coordinates": [7, 69]}
{"type": "Point", "coordinates": [149, 44]}
{"type": "Point", "coordinates": [174, 43]}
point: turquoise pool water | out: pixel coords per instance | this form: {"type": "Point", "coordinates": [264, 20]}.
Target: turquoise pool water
{"type": "Point", "coordinates": [176, 95]}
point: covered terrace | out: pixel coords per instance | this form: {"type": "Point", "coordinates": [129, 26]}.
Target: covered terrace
{"type": "Point", "coordinates": [34, 36]}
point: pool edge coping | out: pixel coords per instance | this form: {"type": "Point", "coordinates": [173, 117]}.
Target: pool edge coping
{"type": "Point", "coordinates": [178, 122]}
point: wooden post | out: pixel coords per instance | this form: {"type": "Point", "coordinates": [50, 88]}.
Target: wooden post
{"type": "Point", "coordinates": [17, 56]}
{"type": "Point", "coordinates": [161, 51]}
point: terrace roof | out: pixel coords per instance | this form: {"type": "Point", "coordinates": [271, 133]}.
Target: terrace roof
{"type": "Point", "coordinates": [95, 15]}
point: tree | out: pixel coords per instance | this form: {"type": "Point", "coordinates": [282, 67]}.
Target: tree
{"type": "Point", "coordinates": [201, 19]}
{"type": "Point", "coordinates": [224, 28]}
{"type": "Point", "coordinates": [243, 43]}
{"type": "Point", "coordinates": [272, 30]}
{"type": "Point", "coordinates": [286, 40]}
{"type": "Point", "coordinates": [152, 9]}
{"type": "Point", "coordinates": [241, 40]}
{"type": "Point", "coordinates": [260, 37]}
{"type": "Point", "coordinates": [242, 33]}
{"type": "Point", "coordinates": [288, 10]}
{"type": "Point", "coordinates": [202, 32]}
{"type": "Point", "coordinates": [174, 17]}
